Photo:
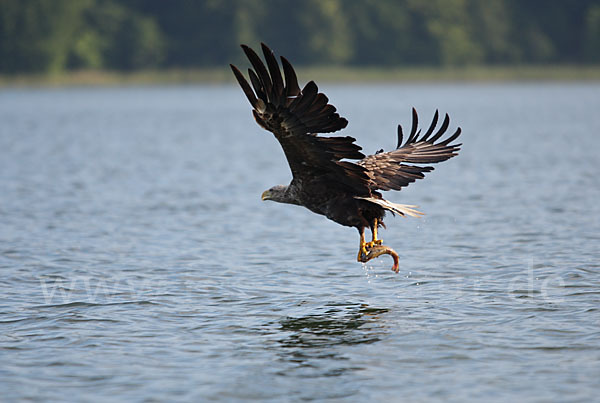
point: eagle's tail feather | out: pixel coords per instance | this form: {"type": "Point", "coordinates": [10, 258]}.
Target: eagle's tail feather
{"type": "Point", "coordinates": [402, 209]}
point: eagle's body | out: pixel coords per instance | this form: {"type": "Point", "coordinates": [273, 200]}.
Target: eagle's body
{"type": "Point", "coordinates": [324, 180]}
{"type": "Point", "coordinates": [337, 204]}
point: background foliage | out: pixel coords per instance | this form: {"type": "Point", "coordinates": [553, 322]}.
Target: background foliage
{"type": "Point", "coordinates": [46, 36]}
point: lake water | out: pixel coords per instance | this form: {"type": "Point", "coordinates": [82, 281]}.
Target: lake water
{"type": "Point", "coordinates": [137, 262]}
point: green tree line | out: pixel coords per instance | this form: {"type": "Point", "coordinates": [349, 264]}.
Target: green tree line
{"type": "Point", "coordinates": [45, 36]}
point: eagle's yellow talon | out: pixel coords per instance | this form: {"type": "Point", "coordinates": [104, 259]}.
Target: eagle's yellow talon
{"type": "Point", "coordinates": [374, 243]}
{"type": "Point", "coordinates": [362, 253]}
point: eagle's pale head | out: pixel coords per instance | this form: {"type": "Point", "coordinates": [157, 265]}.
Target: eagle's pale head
{"type": "Point", "coordinates": [280, 194]}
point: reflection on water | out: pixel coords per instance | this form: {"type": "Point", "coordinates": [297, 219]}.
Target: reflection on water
{"type": "Point", "coordinates": [313, 338]}
{"type": "Point", "coordinates": [348, 325]}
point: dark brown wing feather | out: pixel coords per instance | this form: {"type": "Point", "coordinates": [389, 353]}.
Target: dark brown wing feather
{"type": "Point", "coordinates": [393, 170]}
{"type": "Point", "coordinates": [295, 117]}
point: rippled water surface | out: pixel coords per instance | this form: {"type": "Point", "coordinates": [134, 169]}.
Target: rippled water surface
{"type": "Point", "coordinates": [138, 263]}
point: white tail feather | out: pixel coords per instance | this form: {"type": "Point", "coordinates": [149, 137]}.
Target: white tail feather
{"type": "Point", "coordinates": [402, 209]}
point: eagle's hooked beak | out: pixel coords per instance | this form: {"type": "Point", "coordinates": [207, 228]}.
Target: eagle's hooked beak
{"type": "Point", "coordinates": [266, 195]}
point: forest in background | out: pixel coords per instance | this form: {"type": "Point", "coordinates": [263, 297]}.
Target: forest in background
{"type": "Point", "coordinates": [54, 36]}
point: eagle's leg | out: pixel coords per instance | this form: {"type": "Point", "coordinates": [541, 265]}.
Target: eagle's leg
{"type": "Point", "coordinates": [362, 247]}
{"type": "Point", "coordinates": [374, 241]}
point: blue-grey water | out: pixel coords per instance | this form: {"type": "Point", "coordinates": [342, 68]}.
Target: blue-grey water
{"type": "Point", "coordinates": [137, 262]}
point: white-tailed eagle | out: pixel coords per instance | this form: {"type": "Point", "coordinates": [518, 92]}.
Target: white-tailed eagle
{"type": "Point", "coordinates": [325, 180]}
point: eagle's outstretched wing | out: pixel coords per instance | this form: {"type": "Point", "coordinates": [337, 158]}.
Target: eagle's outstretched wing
{"type": "Point", "coordinates": [394, 170]}
{"type": "Point", "coordinates": [295, 116]}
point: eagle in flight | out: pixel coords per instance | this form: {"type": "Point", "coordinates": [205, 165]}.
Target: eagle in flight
{"type": "Point", "coordinates": [324, 179]}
